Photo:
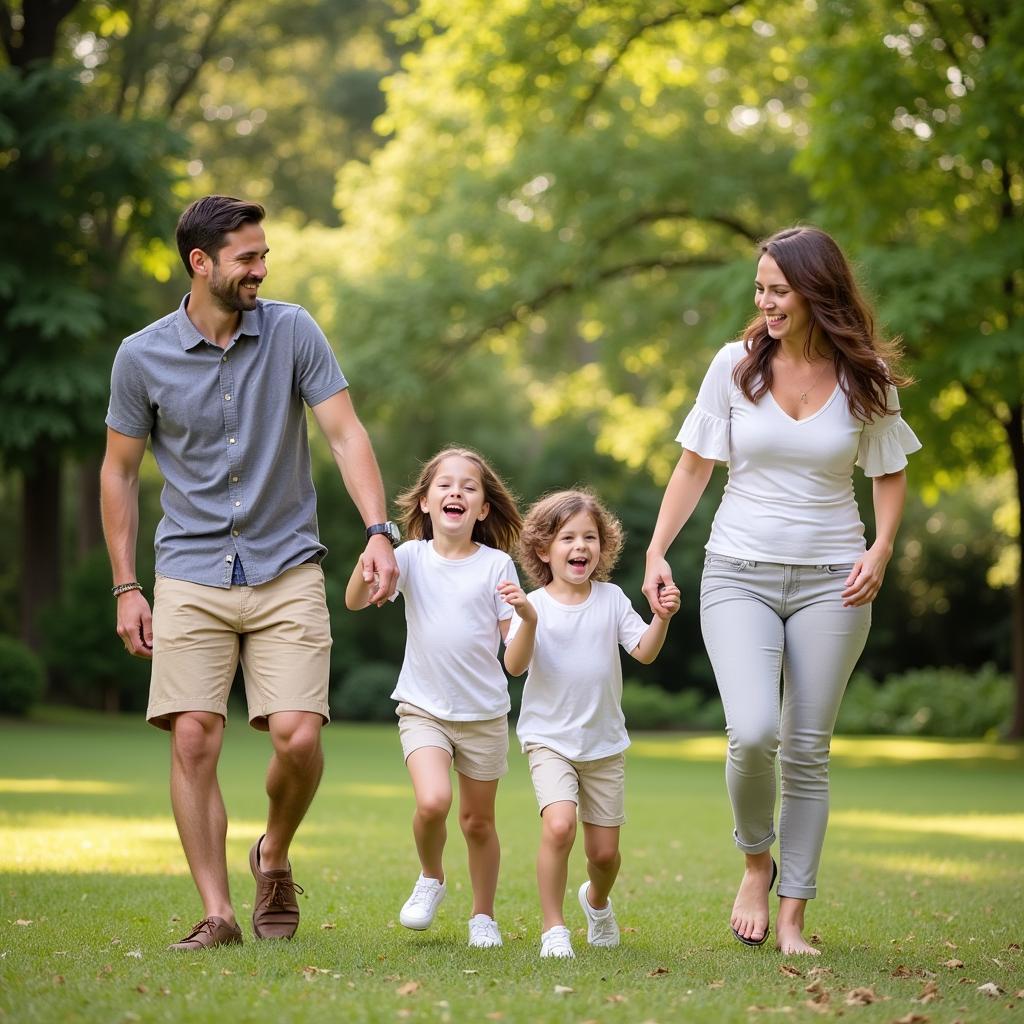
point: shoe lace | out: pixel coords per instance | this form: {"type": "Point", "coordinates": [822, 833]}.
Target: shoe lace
{"type": "Point", "coordinates": [423, 892]}
{"type": "Point", "coordinates": [283, 892]}
{"type": "Point", "coordinates": [558, 938]}
{"type": "Point", "coordinates": [483, 929]}
{"type": "Point", "coordinates": [206, 925]}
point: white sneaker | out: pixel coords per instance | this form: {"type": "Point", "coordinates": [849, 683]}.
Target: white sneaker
{"type": "Point", "coordinates": [419, 909]}
{"type": "Point", "coordinates": [483, 932]}
{"type": "Point", "coordinates": [602, 928]}
{"type": "Point", "coordinates": [555, 943]}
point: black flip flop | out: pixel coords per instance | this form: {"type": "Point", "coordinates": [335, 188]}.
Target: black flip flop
{"type": "Point", "coordinates": [764, 938]}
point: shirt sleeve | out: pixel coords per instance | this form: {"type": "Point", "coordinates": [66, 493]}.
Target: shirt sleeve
{"type": "Point", "coordinates": [130, 411]}
{"type": "Point", "coordinates": [705, 430]}
{"type": "Point", "coordinates": [886, 441]}
{"type": "Point", "coordinates": [316, 371]}
{"type": "Point", "coordinates": [631, 626]}
{"type": "Point", "coordinates": [506, 573]}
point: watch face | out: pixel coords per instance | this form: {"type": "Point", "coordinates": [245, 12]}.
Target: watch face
{"type": "Point", "coordinates": [389, 529]}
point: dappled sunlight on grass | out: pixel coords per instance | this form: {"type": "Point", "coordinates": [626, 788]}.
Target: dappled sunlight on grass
{"type": "Point", "coordinates": [908, 866]}
{"type": "Point", "coordinates": [79, 787]}
{"type": "Point", "coordinates": [79, 844]}
{"type": "Point", "coordinates": [855, 750]}
{"type": "Point", "coordinates": [1002, 827]}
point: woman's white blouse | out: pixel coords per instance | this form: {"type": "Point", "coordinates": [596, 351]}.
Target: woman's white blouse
{"type": "Point", "coordinates": [789, 497]}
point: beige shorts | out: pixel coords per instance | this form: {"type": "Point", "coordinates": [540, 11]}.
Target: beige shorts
{"type": "Point", "coordinates": [479, 750]}
{"type": "Point", "coordinates": [598, 788]}
{"type": "Point", "coordinates": [279, 630]}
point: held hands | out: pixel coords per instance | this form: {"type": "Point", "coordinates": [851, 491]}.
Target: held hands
{"type": "Point", "coordinates": [669, 601]}
{"type": "Point", "coordinates": [380, 570]}
{"type": "Point", "coordinates": [661, 593]}
{"type": "Point", "coordinates": [514, 595]}
{"type": "Point", "coordinates": [865, 579]}
{"type": "Point", "coordinates": [135, 624]}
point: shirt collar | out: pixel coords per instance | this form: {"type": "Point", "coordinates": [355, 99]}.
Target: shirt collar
{"type": "Point", "coordinates": [189, 336]}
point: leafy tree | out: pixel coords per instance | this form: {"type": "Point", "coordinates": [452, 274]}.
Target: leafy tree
{"type": "Point", "coordinates": [917, 153]}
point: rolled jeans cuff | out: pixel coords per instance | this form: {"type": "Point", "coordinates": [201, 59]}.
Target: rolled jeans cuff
{"type": "Point", "coordinates": [797, 892]}
{"type": "Point", "coordinates": [760, 847]}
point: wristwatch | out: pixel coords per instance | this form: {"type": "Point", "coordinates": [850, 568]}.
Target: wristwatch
{"type": "Point", "coordinates": [389, 529]}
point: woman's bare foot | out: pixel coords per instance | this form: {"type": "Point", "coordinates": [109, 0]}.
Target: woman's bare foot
{"type": "Point", "coordinates": [750, 911]}
{"type": "Point", "coordinates": [789, 929]}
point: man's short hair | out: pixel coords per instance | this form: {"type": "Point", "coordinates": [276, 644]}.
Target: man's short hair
{"type": "Point", "coordinates": [205, 222]}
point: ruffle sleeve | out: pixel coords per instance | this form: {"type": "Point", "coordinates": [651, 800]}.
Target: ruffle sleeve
{"type": "Point", "coordinates": [705, 430]}
{"type": "Point", "coordinates": [705, 434]}
{"type": "Point", "coordinates": [886, 442]}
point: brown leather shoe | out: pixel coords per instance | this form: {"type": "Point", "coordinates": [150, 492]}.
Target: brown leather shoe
{"type": "Point", "coordinates": [275, 911]}
{"type": "Point", "coordinates": [210, 932]}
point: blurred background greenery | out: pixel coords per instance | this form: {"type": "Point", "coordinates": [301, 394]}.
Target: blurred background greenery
{"type": "Point", "coordinates": [525, 225]}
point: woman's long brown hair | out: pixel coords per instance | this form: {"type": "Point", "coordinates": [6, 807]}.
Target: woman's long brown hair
{"type": "Point", "coordinates": [816, 269]}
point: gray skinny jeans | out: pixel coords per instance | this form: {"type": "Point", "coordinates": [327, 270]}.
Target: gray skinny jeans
{"type": "Point", "coordinates": [763, 620]}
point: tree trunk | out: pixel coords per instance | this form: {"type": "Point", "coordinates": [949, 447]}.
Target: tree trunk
{"type": "Point", "coordinates": [88, 527]}
{"type": "Point", "coordinates": [1015, 432]}
{"type": "Point", "coordinates": [40, 539]}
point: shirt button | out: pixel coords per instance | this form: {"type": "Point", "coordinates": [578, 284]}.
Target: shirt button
{"type": "Point", "coordinates": [234, 479]}
{"type": "Point", "coordinates": [224, 359]}
{"type": "Point", "coordinates": [231, 440]}
{"type": "Point", "coordinates": [238, 504]}
{"type": "Point", "coordinates": [235, 533]}
{"type": "Point", "coordinates": [227, 398]}
{"type": "Point", "coordinates": [229, 558]}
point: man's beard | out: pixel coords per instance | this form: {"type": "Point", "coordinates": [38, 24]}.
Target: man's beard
{"type": "Point", "coordinates": [228, 296]}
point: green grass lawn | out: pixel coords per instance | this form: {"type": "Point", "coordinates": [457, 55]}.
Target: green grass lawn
{"type": "Point", "coordinates": [922, 892]}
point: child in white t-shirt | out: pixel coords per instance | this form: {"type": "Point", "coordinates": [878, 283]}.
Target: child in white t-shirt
{"type": "Point", "coordinates": [461, 522]}
{"type": "Point", "coordinates": [571, 724]}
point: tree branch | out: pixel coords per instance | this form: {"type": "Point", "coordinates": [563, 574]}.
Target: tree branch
{"type": "Point", "coordinates": [637, 31]}
{"type": "Point", "coordinates": [678, 213]}
{"type": "Point", "coordinates": [449, 354]}
{"type": "Point", "coordinates": [202, 55]}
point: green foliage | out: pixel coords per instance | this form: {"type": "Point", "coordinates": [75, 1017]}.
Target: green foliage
{"type": "Point", "coordinates": [929, 702]}
{"type": "Point", "coordinates": [364, 694]}
{"type": "Point", "coordinates": [22, 678]}
{"type": "Point", "coordinates": [82, 651]}
{"type": "Point", "coordinates": [648, 707]}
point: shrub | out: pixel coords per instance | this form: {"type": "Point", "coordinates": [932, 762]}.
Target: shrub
{"type": "Point", "coordinates": [649, 707]}
{"type": "Point", "coordinates": [22, 677]}
{"type": "Point", "coordinates": [928, 702]}
{"type": "Point", "coordinates": [364, 694]}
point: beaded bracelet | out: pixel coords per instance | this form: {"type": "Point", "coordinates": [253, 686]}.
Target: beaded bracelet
{"type": "Point", "coordinates": [123, 588]}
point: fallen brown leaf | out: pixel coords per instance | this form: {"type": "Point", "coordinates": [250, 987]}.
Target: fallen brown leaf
{"type": "Point", "coordinates": [950, 945]}
{"type": "Point", "coordinates": [817, 972]}
{"type": "Point", "coordinates": [328, 926]}
{"type": "Point", "coordinates": [953, 964]}
{"type": "Point", "coordinates": [912, 1018]}
{"type": "Point", "coordinates": [902, 972]}
{"type": "Point", "coordinates": [790, 971]}
{"type": "Point", "coordinates": [861, 997]}
{"type": "Point", "coordinates": [564, 990]}
{"type": "Point", "coordinates": [408, 988]}
{"type": "Point", "coordinates": [658, 972]}
{"type": "Point", "coordinates": [23, 922]}
{"type": "Point", "coordinates": [58, 979]}
{"type": "Point", "coordinates": [141, 989]}
{"type": "Point", "coordinates": [1014, 947]}
{"type": "Point", "coordinates": [616, 998]}
{"type": "Point", "coordinates": [929, 993]}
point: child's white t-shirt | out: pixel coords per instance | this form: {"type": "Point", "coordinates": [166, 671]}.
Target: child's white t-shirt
{"type": "Point", "coordinates": [790, 492]}
{"type": "Point", "coordinates": [572, 701]}
{"type": "Point", "coordinates": [452, 608]}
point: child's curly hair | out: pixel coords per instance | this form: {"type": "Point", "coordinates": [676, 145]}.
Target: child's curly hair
{"type": "Point", "coordinates": [549, 514]}
{"type": "Point", "coordinates": [500, 529]}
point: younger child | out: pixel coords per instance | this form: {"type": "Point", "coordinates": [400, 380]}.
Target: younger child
{"type": "Point", "coordinates": [453, 696]}
{"type": "Point", "coordinates": [571, 725]}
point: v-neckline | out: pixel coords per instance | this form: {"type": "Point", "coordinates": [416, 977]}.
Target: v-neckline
{"type": "Point", "coordinates": [814, 415]}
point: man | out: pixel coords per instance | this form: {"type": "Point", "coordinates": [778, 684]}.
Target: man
{"type": "Point", "coordinates": [220, 386]}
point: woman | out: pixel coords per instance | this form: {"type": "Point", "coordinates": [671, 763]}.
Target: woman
{"type": "Point", "coordinates": [788, 582]}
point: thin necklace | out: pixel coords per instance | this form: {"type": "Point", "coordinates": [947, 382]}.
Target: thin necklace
{"type": "Point", "coordinates": [815, 382]}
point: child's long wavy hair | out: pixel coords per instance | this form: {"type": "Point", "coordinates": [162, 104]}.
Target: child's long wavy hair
{"type": "Point", "coordinates": [500, 529]}
{"type": "Point", "coordinates": [816, 269]}
{"type": "Point", "coordinates": [549, 514]}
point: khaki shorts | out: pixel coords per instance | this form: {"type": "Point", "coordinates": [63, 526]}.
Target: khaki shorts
{"type": "Point", "coordinates": [479, 750]}
{"type": "Point", "coordinates": [598, 788]}
{"type": "Point", "coordinates": [279, 630]}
